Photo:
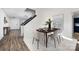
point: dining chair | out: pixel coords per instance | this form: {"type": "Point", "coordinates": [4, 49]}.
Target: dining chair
{"type": "Point", "coordinates": [60, 35]}
{"type": "Point", "coordinates": [37, 37]}
{"type": "Point", "coordinates": [56, 36]}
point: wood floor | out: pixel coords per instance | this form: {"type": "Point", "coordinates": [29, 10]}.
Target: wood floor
{"type": "Point", "coordinates": [13, 42]}
{"type": "Point", "coordinates": [76, 36]}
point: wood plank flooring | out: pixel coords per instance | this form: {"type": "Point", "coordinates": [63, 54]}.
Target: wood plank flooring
{"type": "Point", "coordinates": [76, 36]}
{"type": "Point", "coordinates": [13, 42]}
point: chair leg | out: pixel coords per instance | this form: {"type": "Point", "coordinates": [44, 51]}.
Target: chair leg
{"type": "Point", "coordinates": [58, 39]}
{"type": "Point", "coordinates": [51, 38]}
{"type": "Point", "coordinates": [37, 40]}
{"type": "Point", "coordinates": [37, 44]}
{"type": "Point", "coordinates": [33, 41]}
{"type": "Point", "coordinates": [54, 42]}
{"type": "Point", "coordinates": [44, 41]}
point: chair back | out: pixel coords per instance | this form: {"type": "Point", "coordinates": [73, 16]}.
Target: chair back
{"type": "Point", "coordinates": [38, 35]}
{"type": "Point", "coordinates": [57, 32]}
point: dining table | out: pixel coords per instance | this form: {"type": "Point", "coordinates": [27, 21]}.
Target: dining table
{"type": "Point", "coordinates": [46, 31]}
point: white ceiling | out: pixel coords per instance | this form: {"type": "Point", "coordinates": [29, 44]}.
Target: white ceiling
{"type": "Point", "coordinates": [15, 12]}
{"type": "Point", "coordinates": [20, 12]}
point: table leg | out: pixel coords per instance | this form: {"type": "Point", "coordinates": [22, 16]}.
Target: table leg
{"type": "Point", "coordinates": [46, 40]}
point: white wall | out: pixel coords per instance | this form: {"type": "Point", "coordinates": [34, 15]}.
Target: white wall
{"type": "Point", "coordinates": [2, 15]}
{"type": "Point", "coordinates": [1, 27]}
{"type": "Point", "coordinates": [68, 24]}
{"type": "Point", "coordinates": [14, 23]}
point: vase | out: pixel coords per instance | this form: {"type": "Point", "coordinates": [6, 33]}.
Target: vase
{"type": "Point", "coordinates": [49, 26]}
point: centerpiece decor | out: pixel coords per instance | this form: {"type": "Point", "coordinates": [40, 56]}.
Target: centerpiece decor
{"type": "Point", "coordinates": [49, 24]}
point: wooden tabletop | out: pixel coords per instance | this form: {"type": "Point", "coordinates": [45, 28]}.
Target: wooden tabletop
{"type": "Point", "coordinates": [45, 30]}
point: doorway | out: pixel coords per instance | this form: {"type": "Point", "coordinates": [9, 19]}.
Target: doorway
{"type": "Point", "coordinates": [76, 28]}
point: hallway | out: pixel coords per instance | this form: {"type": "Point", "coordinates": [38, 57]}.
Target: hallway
{"type": "Point", "coordinates": [13, 42]}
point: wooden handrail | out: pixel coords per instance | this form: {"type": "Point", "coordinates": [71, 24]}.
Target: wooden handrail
{"type": "Point", "coordinates": [28, 20]}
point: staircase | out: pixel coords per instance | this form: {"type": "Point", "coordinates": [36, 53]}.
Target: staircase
{"type": "Point", "coordinates": [28, 20]}
{"type": "Point", "coordinates": [33, 15]}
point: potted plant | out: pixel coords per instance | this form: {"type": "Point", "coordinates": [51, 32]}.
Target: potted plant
{"type": "Point", "coordinates": [49, 24]}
